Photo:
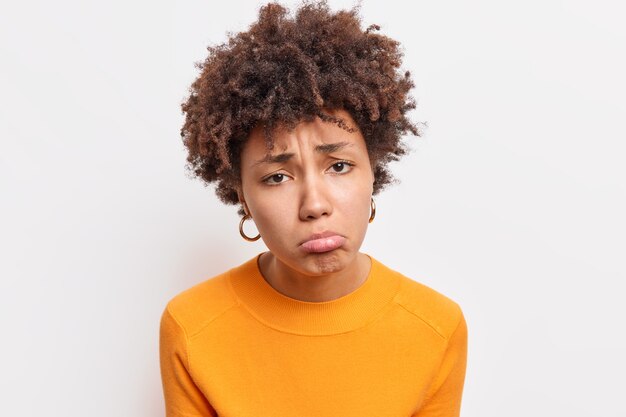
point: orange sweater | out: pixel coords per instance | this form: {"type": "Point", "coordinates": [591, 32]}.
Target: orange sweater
{"type": "Point", "coordinates": [233, 346]}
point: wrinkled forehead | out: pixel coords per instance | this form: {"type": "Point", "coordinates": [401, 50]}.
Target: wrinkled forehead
{"type": "Point", "coordinates": [318, 136]}
{"type": "Point", "coordinates": [282, 136]}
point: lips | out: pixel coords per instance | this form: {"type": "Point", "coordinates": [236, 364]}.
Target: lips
{"type": "Point", "coordinates": [323, 242]}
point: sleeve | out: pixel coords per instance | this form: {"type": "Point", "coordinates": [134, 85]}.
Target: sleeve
{"type": "Point", "coordinates": [444, 396]}
{"type": "Point", "coordinates": [182, 397]}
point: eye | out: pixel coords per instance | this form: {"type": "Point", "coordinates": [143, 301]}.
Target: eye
{"type": "Point", "coordinates": [275, 179]}
{"type": "Point", "coordinates": [341, 167]}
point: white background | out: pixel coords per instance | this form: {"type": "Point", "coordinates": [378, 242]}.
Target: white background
{"type": "Point", "coordinates": [512, 203]}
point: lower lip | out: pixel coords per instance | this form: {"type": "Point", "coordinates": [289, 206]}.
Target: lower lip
{"type": "Point", "coordinates": [325, 244]}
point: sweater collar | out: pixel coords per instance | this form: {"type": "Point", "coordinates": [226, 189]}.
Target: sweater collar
{"type": "Point", "coordinates": [344, 314]}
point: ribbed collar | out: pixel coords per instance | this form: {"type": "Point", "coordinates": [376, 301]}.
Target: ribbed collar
{"type": "Point", "coordinates": [286, 314]}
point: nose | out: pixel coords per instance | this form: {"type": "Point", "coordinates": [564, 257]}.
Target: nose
{"type": "Point", "coordinates": [314, 200]}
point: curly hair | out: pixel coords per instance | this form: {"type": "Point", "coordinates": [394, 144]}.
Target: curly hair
{"type": "Point", "coordinates": [285, 70]}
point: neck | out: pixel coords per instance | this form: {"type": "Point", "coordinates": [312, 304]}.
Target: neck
{"type": "Point", "coordinates": [316, 288]}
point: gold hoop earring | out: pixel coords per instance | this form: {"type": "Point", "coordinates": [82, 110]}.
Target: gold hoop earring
{"type": "Point", "coordinates": [243, 234]}
{"type": "Point", "coordinates": [373, 210]}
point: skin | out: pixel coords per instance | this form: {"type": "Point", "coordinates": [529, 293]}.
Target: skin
{"type": "Point", "coordinates": [317, 178]}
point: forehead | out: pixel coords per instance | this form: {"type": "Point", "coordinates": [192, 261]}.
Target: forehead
{"type": "Point", "coordinates": [306, 134]}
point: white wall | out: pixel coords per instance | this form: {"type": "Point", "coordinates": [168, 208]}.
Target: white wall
{"type": "Point", "coordinates": [512, 203]}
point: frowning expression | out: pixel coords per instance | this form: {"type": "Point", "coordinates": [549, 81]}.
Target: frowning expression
{"type": "Point", "coordinates": [310, 196]}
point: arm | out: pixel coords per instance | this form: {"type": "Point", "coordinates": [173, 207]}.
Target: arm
{"type": "Point", "coordinates": [182, 397]}
{"type": "Point", "coordinates": [444, 396]}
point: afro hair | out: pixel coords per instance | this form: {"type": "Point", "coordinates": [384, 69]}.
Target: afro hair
{"type": "Point", "coordinates": [287, 69]}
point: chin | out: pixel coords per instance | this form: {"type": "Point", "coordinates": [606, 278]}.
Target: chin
{"type": "Point", "coordinates": [327, 262]}
{"type": "Point", "coordinates": [316, 264]}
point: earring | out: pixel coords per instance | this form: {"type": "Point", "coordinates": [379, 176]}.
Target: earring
{"type": "Point", "coordinates": [373, 210]}
{"type": "Point", "coordinates": [243, 234]}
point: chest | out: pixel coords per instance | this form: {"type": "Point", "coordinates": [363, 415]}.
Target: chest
{"type": "Point", "coordinates": [384, 369]}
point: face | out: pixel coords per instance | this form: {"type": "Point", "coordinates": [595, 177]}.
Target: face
{"type": "Point", "coordinates": [310, 196]}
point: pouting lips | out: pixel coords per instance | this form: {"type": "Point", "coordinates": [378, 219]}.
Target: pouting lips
{"type": "Point", "coordinates": [323, 244]}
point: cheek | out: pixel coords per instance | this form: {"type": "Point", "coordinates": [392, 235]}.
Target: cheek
{"type": "Point", "coordinates": [354, 193]}
{"type": "Point", "coordinates": [272, 216]}
{"type": "Point", "coordinates": [355, 207]}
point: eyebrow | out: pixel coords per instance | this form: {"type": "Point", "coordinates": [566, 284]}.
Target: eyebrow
{"type": "Point", "coordinates": [325, 148]}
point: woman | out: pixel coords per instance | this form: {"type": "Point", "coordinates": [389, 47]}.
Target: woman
{"type": "Point", "coordinates": [295, 121]}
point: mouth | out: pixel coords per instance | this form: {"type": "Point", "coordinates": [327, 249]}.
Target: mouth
{"type": "Point", "coordinates": [323, 242]}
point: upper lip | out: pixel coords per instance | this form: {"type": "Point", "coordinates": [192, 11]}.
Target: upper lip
{"type": "Point", "coordinates": [326, 233]}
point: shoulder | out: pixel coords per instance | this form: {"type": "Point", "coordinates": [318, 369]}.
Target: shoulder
{"type": "Point", "coordinates": [437, 310]}
{"type": "Point", "coordinates": [196, 307]}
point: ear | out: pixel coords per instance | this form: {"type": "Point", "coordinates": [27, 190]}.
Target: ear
{"type": "Point", "coordinates": [242, 201]}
